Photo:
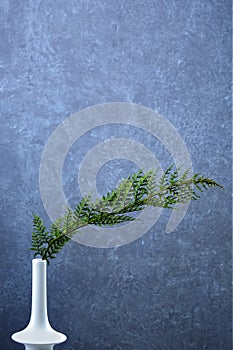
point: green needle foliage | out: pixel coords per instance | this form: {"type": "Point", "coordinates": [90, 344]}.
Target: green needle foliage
{"type": "Point", "coordinates": [133, 194]}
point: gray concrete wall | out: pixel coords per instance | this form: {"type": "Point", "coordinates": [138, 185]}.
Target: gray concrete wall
{"type": "Point", "coordinates": [163, 291]}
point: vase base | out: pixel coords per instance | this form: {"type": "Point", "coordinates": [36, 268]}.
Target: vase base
{"type": "Point", "coordinates": [35, 339]}
{"type": "Point", "coordinates": [39, 347]}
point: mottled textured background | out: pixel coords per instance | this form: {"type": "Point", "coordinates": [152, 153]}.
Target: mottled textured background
{"type": "Point", "coordinates": [162, 292]}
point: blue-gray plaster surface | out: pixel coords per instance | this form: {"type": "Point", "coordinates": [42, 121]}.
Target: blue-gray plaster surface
{"type": "Point", "coordinates": [163, 291]}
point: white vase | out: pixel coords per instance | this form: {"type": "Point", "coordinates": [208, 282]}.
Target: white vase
{"type": "Point", "coordinates": [39, 335]}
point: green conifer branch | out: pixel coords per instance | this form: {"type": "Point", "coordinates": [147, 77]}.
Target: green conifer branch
{"type": "Point", "coordinates": [133, 194]}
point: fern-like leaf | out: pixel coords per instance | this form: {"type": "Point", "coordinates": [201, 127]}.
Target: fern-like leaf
{"type": "Point", "coordinates": [133, 194]}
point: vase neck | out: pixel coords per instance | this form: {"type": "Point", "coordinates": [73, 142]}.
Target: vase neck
{"type": "Point", "coordinates": [39, 315]}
